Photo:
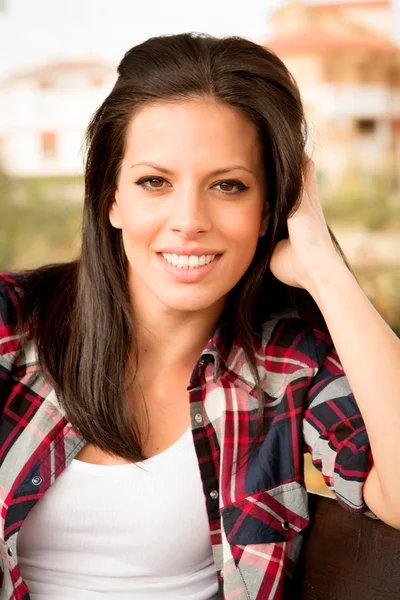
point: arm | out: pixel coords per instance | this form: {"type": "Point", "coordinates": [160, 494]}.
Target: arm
{"type": "Point", "coordinates": [370, 354]}
{"type": "Point", "coordinates": [368, 349]}
{"type": "Point", "coordinates": [333, 429]}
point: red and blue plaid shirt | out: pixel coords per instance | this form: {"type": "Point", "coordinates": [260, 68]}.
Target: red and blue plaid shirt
{"type": "Point", "coordinates": [257, 503]}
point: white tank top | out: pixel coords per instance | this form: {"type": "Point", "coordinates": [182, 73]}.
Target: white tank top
{"type": "Point", "coordinates": [137, 531]}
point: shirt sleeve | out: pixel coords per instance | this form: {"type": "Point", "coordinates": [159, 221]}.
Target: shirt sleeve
{"type": "Point", "coordinates": [334, 431]}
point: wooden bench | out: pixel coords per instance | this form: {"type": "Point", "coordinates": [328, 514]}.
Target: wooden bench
{"type": "Point", "coordinates": [346, 557]}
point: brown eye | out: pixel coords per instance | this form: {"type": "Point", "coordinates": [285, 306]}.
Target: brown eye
{"type": "Point", "coordinates": [151, 184]}
{"type": "Point", "coordinates": [231, 186]}
{"type": "Point", "coordinates": [226, 187]}
{"type": "Point", "coordinates": [155, 183]}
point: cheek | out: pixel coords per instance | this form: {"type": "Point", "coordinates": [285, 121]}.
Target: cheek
{"type": "Point", "coordinates": [137, 235]}
{"type": "Point", "coordinates": [138, 220]}
{"type": "Point", "coordinates": [243, 226]}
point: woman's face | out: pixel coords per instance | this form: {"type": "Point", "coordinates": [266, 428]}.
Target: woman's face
{"type": "Point", "coordinates": [189, 202]}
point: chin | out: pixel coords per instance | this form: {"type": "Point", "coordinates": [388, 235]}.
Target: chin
{"type": "Point", "coordinates": [190, 303]}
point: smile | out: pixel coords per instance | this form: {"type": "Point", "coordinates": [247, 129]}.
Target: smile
{"type": "Point", "coordinates": [185, 261]}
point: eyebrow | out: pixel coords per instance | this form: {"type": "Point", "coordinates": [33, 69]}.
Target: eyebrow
{"type": "Point", "coordinates": [216, 172]}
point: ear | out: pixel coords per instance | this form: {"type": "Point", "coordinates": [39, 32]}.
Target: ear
{"type": "Point", "coordinates": [114, 213]}
{"type": "Point", "coordinates": [264, 222]}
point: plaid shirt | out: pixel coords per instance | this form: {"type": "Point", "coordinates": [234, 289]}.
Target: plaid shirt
{"type": "Point", "coordinates": [257, 506]}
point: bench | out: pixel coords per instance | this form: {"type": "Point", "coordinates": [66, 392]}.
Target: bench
{"type": "Point", "coordinates": [346, 556]}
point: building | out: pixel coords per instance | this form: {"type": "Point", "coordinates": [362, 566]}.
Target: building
{"type": "Point", "coordinates": [44, 113]}
{"type": "Point", "coordinates": [348, 71]}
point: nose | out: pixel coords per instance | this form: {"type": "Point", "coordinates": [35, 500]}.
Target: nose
{"type": "Point", "coordinates": [190, 216]}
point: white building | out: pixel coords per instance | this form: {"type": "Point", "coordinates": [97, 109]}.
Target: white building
{"type": "Point", "coordinates": [44, 113]}
{"type": "Point", "coordinates": [348, 70]}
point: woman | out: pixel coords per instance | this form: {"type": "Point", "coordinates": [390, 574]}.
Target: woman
{"type": "Point", "coordinates": [158, 393]}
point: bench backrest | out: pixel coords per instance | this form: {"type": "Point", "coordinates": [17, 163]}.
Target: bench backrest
{"type": "Point", "coordinates": [346, 557]}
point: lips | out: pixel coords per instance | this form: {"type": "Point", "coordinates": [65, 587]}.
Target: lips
{"type": "Point", "coordinates": [183, 271]}
{"type": "Point", "coordinates": [189, 251]}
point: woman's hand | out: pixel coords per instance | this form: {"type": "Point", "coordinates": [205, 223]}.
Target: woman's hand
{"type": "Point", "coordinates": [309, 250]}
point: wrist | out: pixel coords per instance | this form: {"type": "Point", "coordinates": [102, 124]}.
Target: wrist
{"type": "Point", "coordinates": [328, 278]}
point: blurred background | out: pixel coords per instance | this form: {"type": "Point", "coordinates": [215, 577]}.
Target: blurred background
{"type": "Point", "coordinates": [58, 62]}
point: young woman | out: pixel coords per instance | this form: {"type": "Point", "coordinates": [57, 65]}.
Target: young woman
{"type": "Point", "coordinates": [158, 393]}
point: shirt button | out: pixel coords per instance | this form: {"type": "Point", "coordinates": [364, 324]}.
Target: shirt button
{"type": "Point", "coordinates": [214, 494]}
{"type": "Point", "coordinates": [285, 525]}
{"type": "Point", "coordinates": [198, 418]}
{"type": "Point", "coordinates": [201, 363]}
{"type": "Point", "coordinates": [37, 480]}
{"type": "Point", "coordinates": [9, 551]}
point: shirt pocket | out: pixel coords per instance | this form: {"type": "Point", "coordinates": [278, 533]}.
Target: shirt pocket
{"type": "Point", "coordinates": [268, 516]}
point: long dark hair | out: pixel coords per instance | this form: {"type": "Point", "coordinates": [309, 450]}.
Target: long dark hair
{"type": "Point", "coordinates": [79, 313]}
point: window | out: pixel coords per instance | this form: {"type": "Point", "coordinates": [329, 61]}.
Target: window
{"type": "Point", "coordinates": [48, 144]}
{"type": "Point", "coordinates": [366, 126]}
{"type": "Point", "coordinates": [395, 125]}
{"type": "Point", "coordinates": [96, 81]}
{"type": "Point", "coordinates": [45, 84]}
{"type": "Point", "coordinates": [365, 72]}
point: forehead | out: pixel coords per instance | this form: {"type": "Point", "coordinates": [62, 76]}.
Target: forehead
{"type": "Point", "coordinates": [197, 129]}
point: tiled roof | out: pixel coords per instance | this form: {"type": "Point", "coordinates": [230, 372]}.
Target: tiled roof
{"type": "Point", "coordinates": [62, 67]}
{"type": "Point", "coordinates": [363, 5]}
{"type": "Point", "coordinates": [318, 41]}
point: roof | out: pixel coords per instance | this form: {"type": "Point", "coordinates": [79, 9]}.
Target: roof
{"type": "Point", "coordinates": [62, 67]}
{"type": "Point", "coordinates": [316, 38]}
{"type": "Point", "coordinates": [319, 41]}
{"type": "Point", "coordinates": [363, 5]}
{"type": "Point", "coordinates": [336, 6]}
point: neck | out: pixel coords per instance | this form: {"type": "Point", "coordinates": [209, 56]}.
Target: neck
{"type": "Point", "coordinates": [174, 338]}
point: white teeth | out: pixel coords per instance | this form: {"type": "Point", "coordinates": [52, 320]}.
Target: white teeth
{"type": "Point", "coordinates": [184, 261]}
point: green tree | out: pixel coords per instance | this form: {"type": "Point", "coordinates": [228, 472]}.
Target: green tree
{"type": "Point", "coordinates": [39, 222]}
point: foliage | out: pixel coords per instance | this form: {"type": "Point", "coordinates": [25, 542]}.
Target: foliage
{"type": "Point", "coordinates": [40, 221]}
{"type": "Point", "coordinates": [382, 286]}
{"type": "Point", "coordinates": [363, 199]}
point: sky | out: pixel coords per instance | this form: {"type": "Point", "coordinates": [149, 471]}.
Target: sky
{"type": "Point", "coordinates": [38, 31]}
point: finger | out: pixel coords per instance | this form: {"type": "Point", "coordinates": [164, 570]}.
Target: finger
{"type": "Point", "coordinates": [309, 190]}
{"type": "Point", "coordinates": [310, 179]}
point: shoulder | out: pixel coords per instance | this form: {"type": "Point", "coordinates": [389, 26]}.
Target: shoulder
{"type": "Point", "coordinates": [11, 292]}
{"type": "Point", "coordinates": [291, 352]}
{"type": "Point", "coordinates": [286, 335]}
{"type": "Point", "coordinates": [289, 349]}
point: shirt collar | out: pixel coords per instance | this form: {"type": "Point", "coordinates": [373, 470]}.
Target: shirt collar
{"type": "Point", "coordinates": [214, 352]}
